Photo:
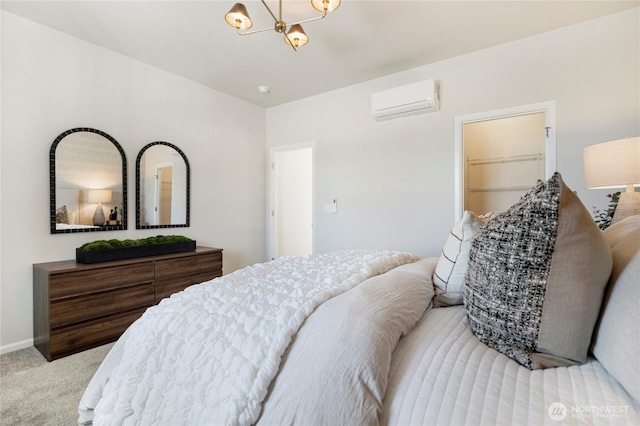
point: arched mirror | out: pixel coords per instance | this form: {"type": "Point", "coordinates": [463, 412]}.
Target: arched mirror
{"type": "Point", "coordinates": [88, 182]}
{"type": "Point", "coordinates": [162, 187]}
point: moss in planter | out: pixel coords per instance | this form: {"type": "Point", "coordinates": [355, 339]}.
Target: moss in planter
{"type": "Point", "coordinates": [113, 244]}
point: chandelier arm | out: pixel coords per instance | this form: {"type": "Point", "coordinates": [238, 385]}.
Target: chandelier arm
{"type": "Point", "coordinates": [317, 18]}
{"type": "Point", "coordinates": [254, 31]}
{"type": "Point", "coordinates": [271, 28]}
{"type": "Point", "coordinates": [271, 13]}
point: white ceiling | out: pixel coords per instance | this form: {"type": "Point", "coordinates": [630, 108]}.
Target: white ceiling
{"type": "Point", "coordinates": [360, 41]}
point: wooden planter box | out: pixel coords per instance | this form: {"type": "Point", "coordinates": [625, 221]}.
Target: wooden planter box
{"type": "Point", "coordinates": [95, 256]}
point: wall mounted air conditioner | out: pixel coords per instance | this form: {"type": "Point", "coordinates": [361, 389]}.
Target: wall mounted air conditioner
{"type": "Point", "coordinates": [415, 98]}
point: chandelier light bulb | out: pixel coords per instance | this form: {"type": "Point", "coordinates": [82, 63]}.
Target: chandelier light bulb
{"type": "Point", "coordinates": [328, 5]}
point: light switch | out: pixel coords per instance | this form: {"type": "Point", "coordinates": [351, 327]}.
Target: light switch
{"type": "Point", "coordinates": [331, 207]}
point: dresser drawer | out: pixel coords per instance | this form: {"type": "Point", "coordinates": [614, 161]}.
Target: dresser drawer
{"type": "Point", "coordinates": [83, 308]}
{"type": "Point", "coordinates": [86, 281]}
{"type": "Point", "coordinates": [165, 288]}
{"type": "Point", "coordinates": [89, 335]}
{"type": "Point", "coordinates": [188, 265]}
{"type": "Point", "coordinates": [79, 306]}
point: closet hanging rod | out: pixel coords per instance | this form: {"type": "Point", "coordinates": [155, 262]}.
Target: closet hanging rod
{"type": "Point", "coordinates": [507, 159]}
{"type": "Point", "coordinates": [500, 188]}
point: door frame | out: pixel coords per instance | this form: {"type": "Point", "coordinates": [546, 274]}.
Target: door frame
{"type": "Point", "coordinates": [549, 110]}
{"type": "Point", "coordinates": [271, 199]}
{"type": "Point", "coordinates": [156, 204]}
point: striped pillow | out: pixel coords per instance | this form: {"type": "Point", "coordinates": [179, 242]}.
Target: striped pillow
{"type": "Point", "coordinates": [454, 260]}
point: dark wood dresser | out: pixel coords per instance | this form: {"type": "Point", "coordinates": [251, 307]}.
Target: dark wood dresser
{"type": "Point", "coordinates": [79, 306]}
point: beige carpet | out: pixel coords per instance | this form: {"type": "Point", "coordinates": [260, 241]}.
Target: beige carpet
{"type": "Point", "coordinates": [36, 392]}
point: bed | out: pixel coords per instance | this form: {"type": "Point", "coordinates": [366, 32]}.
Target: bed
{"type": "Point", "coordinates": [352, 337]}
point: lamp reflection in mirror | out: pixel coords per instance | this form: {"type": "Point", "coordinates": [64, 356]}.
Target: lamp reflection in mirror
{"type": "Point", "coordinates": [238, 17]}
{"type": "Point", "coordinates": [99, 196]}
{"type": "Point", "coordinates": [615, 164]}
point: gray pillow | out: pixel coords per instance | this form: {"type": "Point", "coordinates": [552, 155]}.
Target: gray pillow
{"type": "Point", "coordinates": [616, 342]}
{"type": "Point", "coordinates": [536, 278]}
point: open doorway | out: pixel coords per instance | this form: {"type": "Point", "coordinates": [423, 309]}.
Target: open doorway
{"type": "Point", "coordinates": [164, 193]}
{"type": "Point", "coordinates": [291, 201]}
{"type": "Point", "coordinates": [503, 159]}
{"type": "Point", "coordinates": [501, 154]}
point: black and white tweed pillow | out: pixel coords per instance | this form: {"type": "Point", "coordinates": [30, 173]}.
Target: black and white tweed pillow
{"type": "Point", "coordinates": [536, 278]}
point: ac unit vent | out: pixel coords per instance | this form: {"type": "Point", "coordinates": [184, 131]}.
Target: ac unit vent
{"type": "Point", "coordinates": [415, 98]}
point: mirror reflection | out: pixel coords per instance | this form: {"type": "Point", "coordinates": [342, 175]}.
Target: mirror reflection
{"type": "Point", "coordinates": [162, 187]}
{"type": "Point", "coordinates": [88, 182]}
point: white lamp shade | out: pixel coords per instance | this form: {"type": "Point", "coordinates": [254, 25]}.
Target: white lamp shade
{"type": "Point", "coordinates": [99, 196]}
{"type": "Point", "coordinates": [613, 164]}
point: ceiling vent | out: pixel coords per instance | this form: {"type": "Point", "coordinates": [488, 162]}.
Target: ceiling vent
{"type": "Point", "coordinates": [415, 98]}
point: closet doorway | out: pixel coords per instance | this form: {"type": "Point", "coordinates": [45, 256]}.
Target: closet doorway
{"type": "Point", "coordinates": [291, 201]}
{"type": "Point", "coordinates": [501, 154]}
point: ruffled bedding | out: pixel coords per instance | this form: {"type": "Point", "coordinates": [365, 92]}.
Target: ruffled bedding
{"type": "Point", "coordinates": [207, 355]}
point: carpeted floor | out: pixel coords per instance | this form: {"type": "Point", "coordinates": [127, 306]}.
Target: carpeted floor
{"type": "Point", "coordinates": [36, 392]}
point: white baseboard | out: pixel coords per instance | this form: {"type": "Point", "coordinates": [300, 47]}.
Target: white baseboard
{"type": "Point", "coordinates": [12, 347]}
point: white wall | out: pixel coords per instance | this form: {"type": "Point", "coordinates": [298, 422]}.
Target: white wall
{"type": "Point", "coordinates": [52, 82]}
{"type": "Point", "coordinates": [394, 180]}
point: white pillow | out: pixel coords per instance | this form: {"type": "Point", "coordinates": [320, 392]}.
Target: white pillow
{"type": "Point", "coordinates": [454, 260]}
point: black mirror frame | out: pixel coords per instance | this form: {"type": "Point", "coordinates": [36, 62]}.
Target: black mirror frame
{"type": "Point", "coordinates": [186, 162]}
{"type": "Point", "coordinates": [52, 184]}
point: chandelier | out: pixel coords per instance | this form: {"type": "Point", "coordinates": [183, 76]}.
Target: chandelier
{"type": "Point", "coordinates": [295, 37]}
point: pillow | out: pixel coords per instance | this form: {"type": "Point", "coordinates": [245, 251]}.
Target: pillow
{"type": "Point", "coordinates": [454, 259]}
{"type": "Point", "coordinates": [486, 217]}
{"type": "Point", "coordinates": [616, 342]}
{"type": "Point", "coordinates": [61, 215]}
{"type": "Point", "coordinates": [336, 368]}
{"type": "Point", "coordinates": [536, 278]}
{"type": "Point", "coordinates": [621, 230]}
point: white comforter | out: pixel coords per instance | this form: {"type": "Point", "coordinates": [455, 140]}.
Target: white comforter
{"type": "Point", "coordinates": [208, 355]}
